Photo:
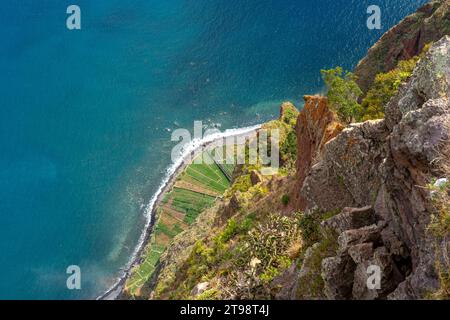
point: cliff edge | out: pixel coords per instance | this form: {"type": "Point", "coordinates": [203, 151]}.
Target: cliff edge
{"type": "Point", "coordinates": [377, 172]}
{"type": "Point", "coordinates": [358, 211]}
{"type": "Point", "coordinates": [405, 40]}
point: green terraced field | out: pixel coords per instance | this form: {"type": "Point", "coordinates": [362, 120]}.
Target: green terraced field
{"type": "Point", "coordinates": [146, 268]}
{"type": "Point", "coordinates": [229, 169]}
{"type": "Point", "coordinates": [208, 176]}
{"type": "Point", "coordinates": [168, 231]}
{"type": "Point", "coordinates": [181, 208]}
{"type": "Point", "coordinates": [226, 160]}
{"type": "Point", "coordinates": [191, 203]}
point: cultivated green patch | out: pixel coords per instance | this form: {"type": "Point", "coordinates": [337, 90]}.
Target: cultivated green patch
{"type": "Point", "coordinates": [179, 208]}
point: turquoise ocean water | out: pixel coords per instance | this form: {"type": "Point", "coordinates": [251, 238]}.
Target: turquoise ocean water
{"type": "Point", "coordinates": [85, 116]}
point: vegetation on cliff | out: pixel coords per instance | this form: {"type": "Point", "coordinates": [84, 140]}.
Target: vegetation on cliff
{"type": "Point", "coordinates": [376, 193]}
{"type": "Point", "coordinates": [195, 190]}
{"type": "Point", "coordinates": [240, 261]}
{"type": "Point", "coordinates": [343, 93]}
{"type": "Point", "coordinates": [249, 245]}
{"type": "Point", "coordinates": [385, 86]}
{"type": "Point", "coordinates": [440, 227]}
{"type": "Point", "coordinates": [407, 39]}
{"type": "Point", "coordinates": [440, 219]}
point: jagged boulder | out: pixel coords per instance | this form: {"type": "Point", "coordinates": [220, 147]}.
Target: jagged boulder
{"type": "Point", "coordinates": [338, 274]}
{"type": "Point", "coordinates": [346, 275]}
{"type": "Point", "coordinates": [390, 275]}
{"type": "Point", "coordinates": [350, 218]}
{"type": "Point", "coordinates": [229, 209]}
{"type": "Point", "coordinates": [255, 177]}
{"type": "Point", "coordinates": [367, 234]}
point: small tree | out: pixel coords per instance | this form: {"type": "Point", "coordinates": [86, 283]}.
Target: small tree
{"type": "Point", "coordinates": [343, 93]}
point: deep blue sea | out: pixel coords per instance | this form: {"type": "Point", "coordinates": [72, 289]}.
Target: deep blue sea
{"type": "Point", "coordinates": [85, 116]}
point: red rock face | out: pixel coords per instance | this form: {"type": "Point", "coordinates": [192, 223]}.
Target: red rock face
{"type": "Point", "coordinates": [316, 125]}
{"type": "Point", "coordinates": [404, 41]}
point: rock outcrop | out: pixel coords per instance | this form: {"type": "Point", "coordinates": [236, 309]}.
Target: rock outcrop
{"type": "Point", "coordinates": [316, 125]}
{"type": "Point", "coordinates": [404, 41]}
{"type": "Point", "coordinates": [379, 170]}
{"type": "Point", "coordinates": [348, 169]}
{"type": "Point", "coordinates": [360, 248]}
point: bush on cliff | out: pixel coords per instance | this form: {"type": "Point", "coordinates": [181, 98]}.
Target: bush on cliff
{"type": "Point", "coordinates": [287, 136]}
{"type": "Point", "coordinates": [343, 93]}
{"type": "Point", "coordinates": [383, 89]}
{"type": "Point", "coordinates": [241, 260]}
{"type": "Point", "coordinates": [440, 228]}
{"type": "Point", "coordinates": [385, 86]}
{"type": "Point", "coordinates": [288, 149]}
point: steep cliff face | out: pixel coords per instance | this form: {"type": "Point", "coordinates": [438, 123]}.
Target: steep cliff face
{"type": "Point", "coordinates": [372, 196]}
{"type": "Point", "coordinates": [316, 125]}
{"type": "Point", "coordinates": [407, 39]}
{"type": "Point", "coordinates": [385, 166]}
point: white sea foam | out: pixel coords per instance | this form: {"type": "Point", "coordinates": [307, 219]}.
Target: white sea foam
{"type": "Point", "coordinates": [186, 151]}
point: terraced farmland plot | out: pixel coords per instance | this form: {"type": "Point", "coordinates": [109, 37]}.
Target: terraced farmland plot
{"type": "Point", "coordinates": [145, 270]}
{"type": "Point", "coordinates": [225, 161]}
{"type": "Point", "coordinates": [196, 190]}
{"type": "Point", "coordinates": [167, 230]}
{"type": "Point", "coordinates": [229, 169]}
{"type": "Point", "coordinates": [191, 203]}
{"type": "Point", "coordinates": [207, 175]}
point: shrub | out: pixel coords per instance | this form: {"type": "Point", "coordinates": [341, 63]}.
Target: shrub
{"type": "Point", "coordinates": [285, 199]}
{"type": "Point", "coordinates": [309, 225]}
{"type": "Point", "coordinates": [343, 93]}
{"type": "Point", "coordinates": [262, 255]}
{"type": "Point", "coordinates": [440, 220]}
{"type": "Point", "coordinates": [229, 232]}
{"type": "Point", "coordinates": [288, 148]}
{"type": "Point", "coordinates": [234, 228]}
{"type": "Point", "coordinates": [242, 184]}
{"type": "Point", "coordinates": [269, 274]}
{"type": "Point", "coordinates": [312, 284]}
{"type": "Point", "coordinates": [290, 116]}
{"type": "Point", "coordinates": [385, 86]}
{"type": "Point", "coordinates": [211, 294]}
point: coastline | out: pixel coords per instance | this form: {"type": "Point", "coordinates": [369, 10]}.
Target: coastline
{"type": "Point", "coordinates": [189, 152]}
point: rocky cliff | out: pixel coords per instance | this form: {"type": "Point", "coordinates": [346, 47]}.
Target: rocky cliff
{"type": "Point", "coordinates": [378, 172]}
{"type": "Point", "coordinates": [407, 39]}
{"type": "Point", "coordinates": [363, 199]}
{"type": "Point", "coordinates": [316, 125]}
